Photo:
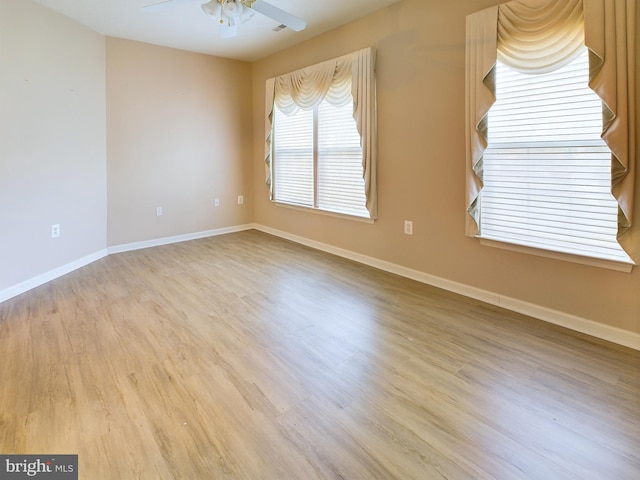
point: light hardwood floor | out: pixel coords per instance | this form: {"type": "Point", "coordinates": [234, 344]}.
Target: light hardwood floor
{"type": "Point", "coordinates": [245, 356]}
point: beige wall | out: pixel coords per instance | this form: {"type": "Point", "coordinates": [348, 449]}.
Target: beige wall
{"type": "Point", "coordinates": [179, 135]}
{"type": "Point", "coordinates": [185, 128]}
{"type": "Point", "coordinates": [52, 141]}
{"type": "Point", "coordinates": [421, 169]}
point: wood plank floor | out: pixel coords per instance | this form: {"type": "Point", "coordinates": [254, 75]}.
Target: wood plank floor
{"type": "Point", "coordinates": [245, 356]}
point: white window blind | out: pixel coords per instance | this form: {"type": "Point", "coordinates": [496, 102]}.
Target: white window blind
{"type": "Point", "coordinates": [293, 158]}
{"type": "Point", "coordinates": [317, 160]}
{"type": "Point", "coordinates": [546, 170]}
{"type": "Point", "coordinates": [340, 182]}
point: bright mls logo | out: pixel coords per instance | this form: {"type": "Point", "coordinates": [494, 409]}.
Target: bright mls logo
{"type": "Point", "coordinates": [46, 467]}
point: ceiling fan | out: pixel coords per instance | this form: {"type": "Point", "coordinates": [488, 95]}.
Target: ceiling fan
{"type": "Point", "coordinates": [231, 13]}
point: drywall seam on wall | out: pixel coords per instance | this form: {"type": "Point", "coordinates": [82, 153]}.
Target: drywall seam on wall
{"type": "Point", "coordinates": [572, 322]}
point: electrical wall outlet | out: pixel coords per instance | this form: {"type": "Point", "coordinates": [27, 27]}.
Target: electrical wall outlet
{"type": "Point", "coordinates": [216, 202]}
{"type": "Point", "coordinates": [408, 227]}
{"type": "Point", "coordinates": [240, 199]}
{"type": "Point", "coordinates": [158, 211]}
{"type": "Point", "coordinates": [55, 230]}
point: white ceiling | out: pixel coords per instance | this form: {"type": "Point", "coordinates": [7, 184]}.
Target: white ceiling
{"type": "Point", "coordinates": [182, 23]}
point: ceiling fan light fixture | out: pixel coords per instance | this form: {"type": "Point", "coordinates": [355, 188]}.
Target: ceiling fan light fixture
{"type": "Point", "coordinates": [231, 9]}
{"type": "Point", "coordinates": [228, 30]}
{"type": "Point", "coordinates": [212, 8]}
{"type": "Point", "coordinates": [246, 14]}
{"type": "Point", "coordinates": [229, 13]}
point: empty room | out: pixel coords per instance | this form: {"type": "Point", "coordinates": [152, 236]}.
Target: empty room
{"type": "Point", "coordinates": [300, 239]}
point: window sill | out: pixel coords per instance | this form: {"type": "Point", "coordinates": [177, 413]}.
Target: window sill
{"type": "Point", "coordinates": [343, 216]}
{"type": "Point", "coordinates": [593, 262]}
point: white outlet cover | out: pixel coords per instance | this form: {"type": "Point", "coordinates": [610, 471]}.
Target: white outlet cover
{"type": "Point", "coordinates": [408, 227]}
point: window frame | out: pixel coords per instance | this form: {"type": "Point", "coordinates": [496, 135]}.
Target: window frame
{"type": "Point", "coordinates": [316, 151]}
{"type": "Point", "coordinates": [350, 76]}
{"type": "Point", "coordinates": [539, 33]}
{"type": "Point", "coordinates": [503, 239]}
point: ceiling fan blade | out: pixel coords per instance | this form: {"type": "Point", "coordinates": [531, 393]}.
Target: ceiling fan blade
{"type": "Point", "coordinates": [279, 15]}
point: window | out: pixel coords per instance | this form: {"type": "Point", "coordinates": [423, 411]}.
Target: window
{"type": "Point", "coordinates": [321, 136]}
{"type": "Point", "coordinates": [317, 160]}
{"type": "Point", "coordinates": [550, 129]}
{"type": "Point", "coordinates": [547, 172]}
{"type": "Point", "coordinates": [293, 163]}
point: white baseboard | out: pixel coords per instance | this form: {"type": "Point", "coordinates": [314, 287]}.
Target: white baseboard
{"type": "Point", "coordinates": [589, 327]}
{"type": "Point", "coordinates": [582, 325]}
{"type": "Point", "coordinates": [127, 247]}
{"type": "Point", "coordinates": [27, 285]}
{"type": "Point", "coordinates": [34, 282]}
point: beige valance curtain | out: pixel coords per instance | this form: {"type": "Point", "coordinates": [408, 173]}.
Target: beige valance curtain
{"type": "Point", "coordinates": [337, 81]}
{"type": "Point", "coordinates": [535, 36]}
{"type": "Point", "coordinates": [539, 37]}
{"type": "Point", "coordinates": [307, 88]}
